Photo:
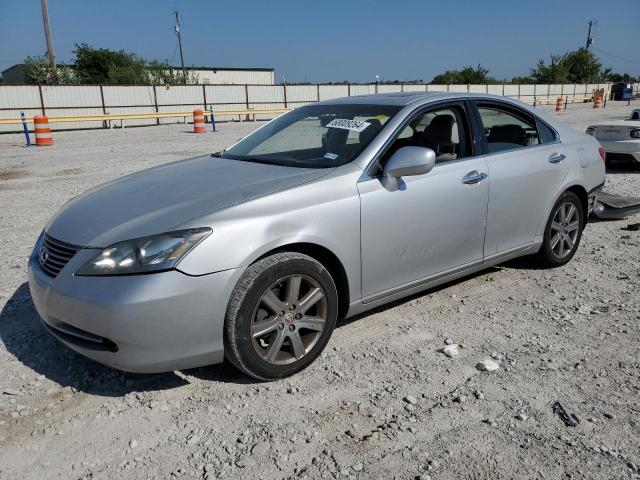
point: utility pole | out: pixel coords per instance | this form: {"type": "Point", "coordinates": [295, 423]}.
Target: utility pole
{"type": "Point", "coordinates": [47, 34]}
{"type": "Point", "coordinates": [592, 23]}
{"type": "Point", "coordinates": [179, 32]}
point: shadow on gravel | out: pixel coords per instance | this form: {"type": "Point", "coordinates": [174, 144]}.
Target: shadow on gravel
{"type": "Point", "coordinates": [621, 167]}
{"type": "Point", "coordinates": [388, 306]}
{"type": "Point", "coordinates": [26, 339]}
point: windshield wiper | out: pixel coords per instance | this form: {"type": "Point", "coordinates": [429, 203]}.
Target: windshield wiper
{"type": "Point", "coordinates": [266, 161]}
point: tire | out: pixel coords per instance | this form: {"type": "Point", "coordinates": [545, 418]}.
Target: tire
{"type": "Point", "coordinates": [268, 344]}
{"type": "Point", "coordinates": [555, 251]}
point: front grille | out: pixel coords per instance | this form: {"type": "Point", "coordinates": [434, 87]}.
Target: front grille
{"type": "Point", "coordinates": [54, 255]}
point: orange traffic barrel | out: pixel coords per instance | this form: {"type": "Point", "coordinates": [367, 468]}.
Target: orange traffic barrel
{"type": "Point", "coordinates": [597, 101]}
{"type": "Point", "coordinates": [559, 104]}
{"type": "Point", "coordinates": [198, 122]}
{"type": "Point", "coordinates": [43, 132]}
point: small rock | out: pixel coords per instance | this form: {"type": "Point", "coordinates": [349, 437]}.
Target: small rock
{"type": "Point", "coordinates": [411, 399]}
{"type": "Point", "coordinates": [133, 443]}
{"type": "Point", "coordinates": [260, 448]}
{"type": "Point", "coordinates": [358, 467]}
{"type": "Point", "coordinates": [451, 350]}
{"type": "Point", "coordinates": [487, 365]}
{"type": "Point", "coordinates": [584, 309]}
{"type": "Point", "coordinates": [521, 416]}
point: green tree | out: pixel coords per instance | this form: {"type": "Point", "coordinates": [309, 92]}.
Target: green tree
{"type": "Point", "coordinates": [161, 73]}
{"type": "Point", "coordinates": [578, 66]}
{"type": "Point", "coordinates": [608, 75]}
{"type": "Point", "coordinates": [448, 77]}
{"type": "Point", "coordinates": [522, 80]}
{"type": "Point", "coordinates": [101, 65]}
{"type": "Point", "coordinates": [555, 72]}
{"type": "Point", "coordinates": [582, 66]}
{"type": "Point", "coordinates": [468, 75]}
{"type": "Point", "coordinates": [37, 71]}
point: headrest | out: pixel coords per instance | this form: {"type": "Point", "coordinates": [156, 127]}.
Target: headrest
{"type": "Point", "coordinates": [440, 130]}
{"type": "Point", "coordinates": [507, 134]}
{"type": "Point", "coordinates": [336, 140]}
{"type": "Point", "coordinates": [371, 131]}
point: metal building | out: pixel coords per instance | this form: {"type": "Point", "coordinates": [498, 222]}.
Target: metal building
{"type": "Point", "coordinates": [237, 76]}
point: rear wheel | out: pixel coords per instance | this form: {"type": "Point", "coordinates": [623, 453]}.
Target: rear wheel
{"type": "Point", "coordinates": [280, 316]}
{"type": "Point", "coordinates": [563, 231]}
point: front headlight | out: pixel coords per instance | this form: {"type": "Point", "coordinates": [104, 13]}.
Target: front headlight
{"type": "Point", "coordinates": [143, 255]}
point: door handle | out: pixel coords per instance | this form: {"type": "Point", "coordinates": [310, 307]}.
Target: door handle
{"type": "Point", "coordinates": [474, 177]}
{"type": "Point", "coordinates": [556, 157]}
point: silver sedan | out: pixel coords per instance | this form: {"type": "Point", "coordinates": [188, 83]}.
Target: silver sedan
{"type": "Point", "coordinates": [253, 253]}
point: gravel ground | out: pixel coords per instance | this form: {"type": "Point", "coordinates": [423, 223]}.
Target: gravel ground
{"type": "Point", "coordinates": [382, 402]}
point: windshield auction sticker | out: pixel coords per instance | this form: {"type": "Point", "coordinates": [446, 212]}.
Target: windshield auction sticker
{"type": "Point", "coordinates": [346, 124]}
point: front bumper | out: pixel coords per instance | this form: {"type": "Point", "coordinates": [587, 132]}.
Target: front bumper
{"type": "Point", "coordinates": [140, 323]}
{"type": "Point", "coordinates": [630, 148]}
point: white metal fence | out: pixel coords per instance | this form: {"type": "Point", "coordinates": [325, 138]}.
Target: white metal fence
{"type": "Point", "coordinates": [110, 99]}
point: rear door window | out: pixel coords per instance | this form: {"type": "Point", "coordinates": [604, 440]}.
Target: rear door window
{"type": "Point", "coordinates": [507, 128]}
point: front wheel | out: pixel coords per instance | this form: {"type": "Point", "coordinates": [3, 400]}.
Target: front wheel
{"type": "Point", "coordinates": [563, 231]}
{"type": "Point", "coordinates": [280, 316]}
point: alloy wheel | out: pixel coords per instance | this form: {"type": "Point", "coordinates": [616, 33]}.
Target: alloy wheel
{"type": "Point", "coordinates": [565, 228]}
{"type": "Point", "coordinates": [289, 319]}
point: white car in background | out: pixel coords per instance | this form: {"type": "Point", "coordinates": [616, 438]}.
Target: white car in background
{"type": "Point", "coordinates": [619, 138]}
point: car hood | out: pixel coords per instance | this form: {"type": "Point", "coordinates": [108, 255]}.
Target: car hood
{"type": "Point", "coordinates": [160, 199]}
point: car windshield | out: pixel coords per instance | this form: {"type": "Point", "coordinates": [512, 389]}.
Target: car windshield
{"type": "Point", "coordinates": [316, 136]}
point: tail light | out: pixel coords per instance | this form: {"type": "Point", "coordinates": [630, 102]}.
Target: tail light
{"type": "Point", "coordinates": [635, 133]}
{"type": "Point", "coordinates": [589, 131]}
{"type": "Point", "coordinates": [603, 154]}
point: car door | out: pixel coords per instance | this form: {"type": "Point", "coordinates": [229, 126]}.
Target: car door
{"type": "Point", "coordinates": [432, 223]}
{"type": "Point", "coordinates": [527, 165]}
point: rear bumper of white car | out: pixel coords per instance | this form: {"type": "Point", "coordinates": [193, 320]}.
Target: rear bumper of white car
{"type": "Point", "coordinates": [622, 149]}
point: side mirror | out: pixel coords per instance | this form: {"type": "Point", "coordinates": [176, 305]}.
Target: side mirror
{"type": "Point", "coordinates": [408, 161]}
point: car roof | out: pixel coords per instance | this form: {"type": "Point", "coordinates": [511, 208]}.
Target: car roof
{"type": "Point", "coordinates": [405, 98]}
{"type": "Point", "coordinates": [394, 98]}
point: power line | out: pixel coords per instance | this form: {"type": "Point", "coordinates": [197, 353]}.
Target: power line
{"type": "Point", "coordinates": [616, 56]}
{"type": "Point", "coordinates": [173, 55]}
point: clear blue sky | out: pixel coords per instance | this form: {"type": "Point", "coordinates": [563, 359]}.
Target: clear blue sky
{"type": "Point", "coordinates": [331, 40]}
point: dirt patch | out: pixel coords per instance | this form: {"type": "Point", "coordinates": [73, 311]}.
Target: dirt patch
{"type": "Point", "coordinates": [68, 171]}
{"type": "Point", "coordinates": [13, 173]}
